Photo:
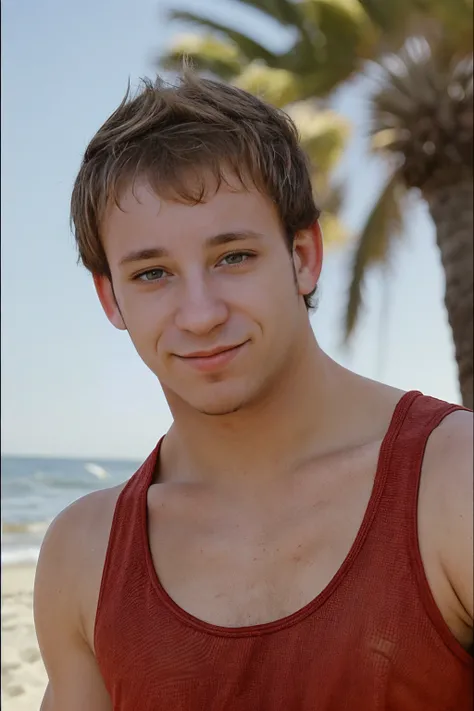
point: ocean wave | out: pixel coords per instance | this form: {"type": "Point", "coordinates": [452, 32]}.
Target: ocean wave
{"type": "Point", "coordinates": [16, 556]}
{"type": "Point", "coordinates": [38, 527]}
{"type": "Point", "coordinates": [96, 470]}
{"type": "Point", "coordinates": [36, 489]}
{"type": "Point", "coordinates": [56, 481]}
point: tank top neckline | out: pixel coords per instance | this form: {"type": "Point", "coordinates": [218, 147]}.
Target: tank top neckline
{"type": "Point", "coordinates": [383, 461]}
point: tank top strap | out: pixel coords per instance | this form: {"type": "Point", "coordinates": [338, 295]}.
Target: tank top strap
{"type": "Point", "coordinates": [130, 516]}
{"type": "Point", "coordinates": [125, 565]}
{"type": "Point", "coordinates": [415, 419]}
{"type": "Point", "coordinates": [394, 529]}
{"type": "Point", "coordinates": [131, 503]}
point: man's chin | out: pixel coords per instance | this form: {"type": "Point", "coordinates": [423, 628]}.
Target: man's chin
{"type": "Point", "coordinates": [216, 404]}
{"type": "Point", "coordinates": [219, 406]}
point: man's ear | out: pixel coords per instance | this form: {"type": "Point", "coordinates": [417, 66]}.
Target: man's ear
{"type": "Point", "coordinates": [105, 292]}
{"type": "Point", "coordinates": [308, 258]}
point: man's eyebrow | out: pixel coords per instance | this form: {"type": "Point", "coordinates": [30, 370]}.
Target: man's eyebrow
{"type": "Point", "coordinates": [227, 237]}
{"type": "Point", "coordinates": [142, 255]}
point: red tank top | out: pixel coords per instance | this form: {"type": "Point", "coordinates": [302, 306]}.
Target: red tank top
{"type": "Point", "coordinates": [372, 640]}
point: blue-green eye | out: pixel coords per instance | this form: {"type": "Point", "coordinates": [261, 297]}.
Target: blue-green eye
{"type": "Point", "coordinates": [236, 258]}
{"type": "Point", "coordinates": [151, 275]}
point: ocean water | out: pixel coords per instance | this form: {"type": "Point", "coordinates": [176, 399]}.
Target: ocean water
{"type": "Point", "coordinates": [35, 490]}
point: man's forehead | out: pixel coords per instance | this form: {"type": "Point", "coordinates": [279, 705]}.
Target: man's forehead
{"type": "Point", "coordinates": [135, 195]}
{"type": "Point", "coordinates": [201, 186]}
{"type": "Point", "coordinates": [141, 202]}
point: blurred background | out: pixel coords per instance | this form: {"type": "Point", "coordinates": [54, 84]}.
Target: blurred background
{"type": "Point", "coordinates": [381, 91]}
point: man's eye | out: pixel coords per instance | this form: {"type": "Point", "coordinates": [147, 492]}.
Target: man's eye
{"type": "Point", "coordinates": [236, 258]}
{"type": "Point", "coordinates": [151, 275]}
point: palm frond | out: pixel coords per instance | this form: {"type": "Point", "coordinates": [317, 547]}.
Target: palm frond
{"type": "Point", "coordinates": [335, 232]}
{"type": "Point", "coordinates": [456, 18]}
{"type": "Point", "coordinates": [341, 22]}
{"type": "Point", "coordinates": [284, 11]}
{"type": "Point", "coordinates": [323, 80]}
{"type": "Point", "coordinates": [406, 80]}
{"type": "Point", "coordinates": [384, 223]}
{"type": "Point", "coordinates": [331, 37]}
{"type": "Point", "coordinates": [248, 47]}
{"type": "Point", "coordinates": [422, 114]}
{"type": "Point", "coordinates": [391, 16]}
{"type": "Point", "coordinates": [277, 86]}
{"type": "Point", "coordinates": [323, 133]}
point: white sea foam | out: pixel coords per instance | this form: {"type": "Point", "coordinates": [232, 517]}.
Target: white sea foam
{"type": "Point", "coordinates": [96, 470]}
{"type": "Point", "coordinates": [16, 556]}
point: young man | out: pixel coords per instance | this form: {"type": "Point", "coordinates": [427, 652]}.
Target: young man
{"type": "Point", "coordinates": [301, 538]}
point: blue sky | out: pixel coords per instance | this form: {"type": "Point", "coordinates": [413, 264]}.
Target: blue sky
{"type": "Point", "coordinates": [71, 384]}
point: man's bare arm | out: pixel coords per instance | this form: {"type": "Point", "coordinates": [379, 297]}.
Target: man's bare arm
{"type": "Point", "coordinates": [75, 682]}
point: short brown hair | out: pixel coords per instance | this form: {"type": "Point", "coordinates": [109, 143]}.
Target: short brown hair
{"type": "Point", "coordinates": [169, 133]}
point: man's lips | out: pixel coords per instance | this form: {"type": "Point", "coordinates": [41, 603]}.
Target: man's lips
{"type": "Point", "coordinates": [210, 353]}
{"type": "Point", "coordinates": [214, 359]}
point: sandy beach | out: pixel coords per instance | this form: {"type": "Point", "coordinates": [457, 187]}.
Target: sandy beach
{"type": "Point", "coordinates": [23, 674]}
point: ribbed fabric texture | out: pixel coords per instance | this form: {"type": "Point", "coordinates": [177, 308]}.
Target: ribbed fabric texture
{"type": "Point", "coordinates": [373, 640]}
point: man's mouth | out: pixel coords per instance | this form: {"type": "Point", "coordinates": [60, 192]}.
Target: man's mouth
{"type": "Point", "coordinates": [213, 359]}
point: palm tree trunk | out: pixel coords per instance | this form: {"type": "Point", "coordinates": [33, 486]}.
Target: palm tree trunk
{"type": "Point", "coordinates": [451, 208]}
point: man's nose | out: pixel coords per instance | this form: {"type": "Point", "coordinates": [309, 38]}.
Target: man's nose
{"type": "Point", "coordinates": [200, 308]}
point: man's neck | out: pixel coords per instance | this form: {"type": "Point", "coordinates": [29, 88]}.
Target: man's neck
{"type": "Point", "coordinates": [305, 414]}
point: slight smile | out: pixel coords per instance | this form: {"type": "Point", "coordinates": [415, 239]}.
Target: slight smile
{"type": "Point", "coordinates": [207, 361]}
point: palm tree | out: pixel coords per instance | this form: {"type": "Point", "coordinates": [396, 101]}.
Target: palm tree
{"type": "Point", "coordinates": [421, 115]}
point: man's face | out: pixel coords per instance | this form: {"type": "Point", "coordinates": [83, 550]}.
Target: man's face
{"type": "Point", "coordinates": [208, 293]}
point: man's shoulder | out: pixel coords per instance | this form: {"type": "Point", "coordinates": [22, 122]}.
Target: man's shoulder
{"type": "Point", "coordinates": [71, 560]}
{"type": "Point", "coordinates": [450, 448]}
{"type": "Point", "coordinates": [450, 467]}
{"type": "Point", "coordinates": [448, 475]}
{"type": "Point", "coordinates": [76, 540]}
{"type": "Point", "coordinates": [86, 519]}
